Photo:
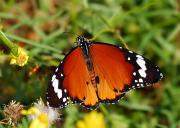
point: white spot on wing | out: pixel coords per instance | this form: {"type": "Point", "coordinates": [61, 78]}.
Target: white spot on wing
{"type": "Point", "coordinates": [64, 99]}
{"type": "Point", "coordinates": [140, 61]}
{"type": "Point", "coordinates": [140, 80]}
{"type": "Point", "coordinates": [55, 84]}
{"type": "Point", "coordinates": [59, 93]}
{"type": "Point", "coordinates": [138, 56]}
{"type": "Point", "coordinates": [142, 72]}
{"type": "Point", "coordinates": [53, 77]}
{"type": "Point", "coordinates": [134, 73]}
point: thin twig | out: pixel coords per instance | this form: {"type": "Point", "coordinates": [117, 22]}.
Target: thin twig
{"type": "Point", "coordinates": [121, 39]}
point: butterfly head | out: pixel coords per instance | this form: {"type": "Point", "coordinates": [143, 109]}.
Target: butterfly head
{"type": "Point", "coordinates": [81, 40]}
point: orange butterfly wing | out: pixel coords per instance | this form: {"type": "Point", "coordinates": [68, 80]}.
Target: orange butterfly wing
{"type": "Point", "coordinates": [113, 70]}
{"type": "Point", "coordinates": [75, 79]}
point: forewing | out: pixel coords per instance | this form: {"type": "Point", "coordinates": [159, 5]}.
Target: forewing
{"type": "Point", "coordinates": [72, 81]}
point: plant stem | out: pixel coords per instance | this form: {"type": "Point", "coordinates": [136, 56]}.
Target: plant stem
{"type": "Point", "coordinates": [9, 44]}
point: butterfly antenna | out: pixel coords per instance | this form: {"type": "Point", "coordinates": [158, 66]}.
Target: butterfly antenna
{"type": "Point", "coordinates": [67, 33]}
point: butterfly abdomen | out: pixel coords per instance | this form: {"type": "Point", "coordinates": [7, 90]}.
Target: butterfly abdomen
{"type": "Point", "coordinates": [84, 45]}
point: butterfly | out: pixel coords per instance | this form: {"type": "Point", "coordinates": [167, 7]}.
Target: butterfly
{"type": "Point", "coordinates": [95, 72]}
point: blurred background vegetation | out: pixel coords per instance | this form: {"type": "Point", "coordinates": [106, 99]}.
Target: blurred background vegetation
{"type": "Point", "coordinates": [148, 27]}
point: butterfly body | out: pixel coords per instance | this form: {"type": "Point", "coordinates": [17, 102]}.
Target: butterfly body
{"type": "Point", "coordinates": [96, 72]}
{"type": "Point", "coordinates": [84, 44]}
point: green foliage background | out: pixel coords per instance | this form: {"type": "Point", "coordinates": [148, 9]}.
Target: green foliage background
{"type": "Point", "coordinates": [148, 27]}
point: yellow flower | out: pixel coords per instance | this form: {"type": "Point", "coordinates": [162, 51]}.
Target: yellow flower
{"type": "Point", "coordinates": [31, 111]}
{"type": "Point", "coordinates": [92, 120]}
{"type": "Point", "coordinates": [40, 119]}
{"type": "Point", "coordinates": [21, 59]}
{"type": "Point", "coordinates": [40, 122]}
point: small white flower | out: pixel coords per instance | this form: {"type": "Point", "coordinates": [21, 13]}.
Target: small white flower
{"type": "Point", "coordinates": [52, 113]}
